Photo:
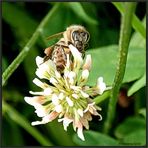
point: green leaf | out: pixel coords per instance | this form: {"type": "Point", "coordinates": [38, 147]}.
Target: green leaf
{"type": "Point", "coordinates": [135, 68]}
{"type": "Point", "coordinates": [79, 11]}
{"type": "Point", "coordinates": [137, 39]}
{"type": "Point", "coordinates": [137, 85]}
{"type": "Point", "coordinates": [138, 137]}
{"type": "Point", "coordinates": [104, 62]}
{"type": "Point", "coordinates": [130, 125]}
{"type": "Point", "coordinates": [95, 139]}
{"type": "Point", "coordinates": [99, 65]}
{"type": "Point", "coordinates": [143, 112]}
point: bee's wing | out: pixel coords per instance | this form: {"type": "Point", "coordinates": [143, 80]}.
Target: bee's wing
{"type": "Point", "coordinates": [55, 36]}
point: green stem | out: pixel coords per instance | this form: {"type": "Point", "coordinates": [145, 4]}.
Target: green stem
{"type": "Point", "coordinates": [136, 23]}
{"type": "Point", "coordinates": [20, 120]}
{"type": "Point", "coordinates": [101, 98]}
{"type": "Point", "coordinates": [123, 50]}
{"type": "Point", "coordinates": [16, 62]}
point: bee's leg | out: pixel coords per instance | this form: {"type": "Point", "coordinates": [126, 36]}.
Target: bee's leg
{"type": "Point", "coordinates": [48, 50]}
{"type": "Point", "coordinates": [86, 46]}
{"type": "Point", "coordinates": [46, 58]}
{"type": "Point", "coordinates": [83, 54]}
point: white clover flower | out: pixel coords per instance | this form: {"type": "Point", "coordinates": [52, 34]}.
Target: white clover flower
{"type": "Point", "coordinates": [66, 97]}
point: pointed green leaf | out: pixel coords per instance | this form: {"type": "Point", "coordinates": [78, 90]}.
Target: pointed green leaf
{"type": "Point", "coordinates": [137, 39]}
{"type": "Point", "coordinates": [143, 112]}
{"type": "Point", "coordinates": [137, 85]}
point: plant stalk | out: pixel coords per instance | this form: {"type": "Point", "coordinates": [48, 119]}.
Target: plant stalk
{"type": "Point", "coordinates": [125, 33]}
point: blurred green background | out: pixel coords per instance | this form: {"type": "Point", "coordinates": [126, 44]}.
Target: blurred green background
{"type": "Point", "coordinates": [102, 20]}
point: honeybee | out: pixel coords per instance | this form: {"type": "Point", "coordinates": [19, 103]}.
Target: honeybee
{"type": "Point", "coordinates": [76, 35]}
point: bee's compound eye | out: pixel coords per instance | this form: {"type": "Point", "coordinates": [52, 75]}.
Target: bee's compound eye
{"type": "Point", "coordinates": [85, 36]}
{"type": "Point", "coordinates": [75, 35]}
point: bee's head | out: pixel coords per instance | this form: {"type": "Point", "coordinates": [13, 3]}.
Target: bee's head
{"type": "Point", "coordinates": [77, 35]}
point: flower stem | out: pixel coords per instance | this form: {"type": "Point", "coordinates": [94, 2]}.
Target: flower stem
{"type": "Point", "coordinates": [124, 40]}
{"type": "Point", "coordinates": [16, 62]}
{"type": "Point", "coordinates": [101, 98]}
